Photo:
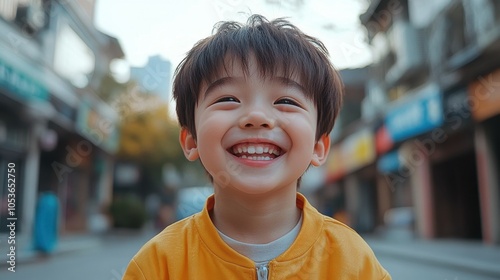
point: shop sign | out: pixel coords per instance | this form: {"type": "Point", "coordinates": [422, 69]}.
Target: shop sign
{"type": "Point", "coordinates": [359, 149]}
{"type": "Point", "coordinates": [99, 126]}
{"type": "Point", "coordinates": [20, 84]}
{"type": "Point", "coordinates": [356, 151]}
{"type": "Point", "coordinates": [420, 114]}
{"type": "Point", "coordinates": [484, 96]}
{"type": "Point", "coordinates": [389, 162]}
{"type": "Point", "coordinates": [383, 141]}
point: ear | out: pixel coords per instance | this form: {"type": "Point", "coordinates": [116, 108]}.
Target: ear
{"type": "Point", "coordinates": [321, 150]}
{"type": "Point", "coordinates": [188, 144]}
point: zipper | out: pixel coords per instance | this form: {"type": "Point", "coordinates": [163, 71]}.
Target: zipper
{"type": "Point", "coordinates": [262, 272]}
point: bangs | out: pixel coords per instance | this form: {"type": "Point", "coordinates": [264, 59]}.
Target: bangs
{"type": "Point", "coordinates": [278, 54]}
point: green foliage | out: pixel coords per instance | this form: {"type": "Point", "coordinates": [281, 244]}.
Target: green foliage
{"type": "Point", "coordinates": [149, 136]}
{"type": "Point", "coordinates": [128, 211]}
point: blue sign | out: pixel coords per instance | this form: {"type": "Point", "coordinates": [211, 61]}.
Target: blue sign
{"type": "Point", "coordinates": [21, 84]}
{"type": "Point", "coordinates": [416, 116]}
{"type": "Point", "coordinates": [389, 162]}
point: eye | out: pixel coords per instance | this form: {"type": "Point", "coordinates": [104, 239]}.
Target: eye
{"type": "Point", "coordinates": [287, 101]}
{"type": "Point", "coordinates": [227, 99]}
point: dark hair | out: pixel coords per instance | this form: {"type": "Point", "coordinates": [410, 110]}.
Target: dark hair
{"type": "Point", "coordinates": [278, 47]}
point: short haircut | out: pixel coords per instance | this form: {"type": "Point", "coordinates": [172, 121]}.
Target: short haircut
{"type": "Point", "coordinates": [278, 47]}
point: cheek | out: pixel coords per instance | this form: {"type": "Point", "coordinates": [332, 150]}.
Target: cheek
{"type": "Point", "coordinates": [299, 123]}
{"type": "Point", "coordinates": [210, 131]}
{"type": "Point", "coordinates": [302, 132]}
{"type": "Point", "coordinates": [212, 124]}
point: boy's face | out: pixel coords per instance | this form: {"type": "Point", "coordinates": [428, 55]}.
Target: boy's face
{"type": "Point", "coordinates": [254, 134]}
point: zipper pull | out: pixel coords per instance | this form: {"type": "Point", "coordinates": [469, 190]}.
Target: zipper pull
{"type": "Point", "coordinates": [262, 272]}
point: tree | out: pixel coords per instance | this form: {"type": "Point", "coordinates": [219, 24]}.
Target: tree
{"type": "Point", "coordinates": [148, 135]}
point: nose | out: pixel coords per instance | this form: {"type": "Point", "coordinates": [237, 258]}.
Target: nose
{"type": "Point", "coordinates": [257, 119]}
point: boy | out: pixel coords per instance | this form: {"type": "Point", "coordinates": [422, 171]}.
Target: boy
{"type": "Point", "coordinates": [256, 104]}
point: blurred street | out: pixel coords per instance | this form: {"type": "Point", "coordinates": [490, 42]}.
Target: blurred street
{"type": "Point", "coordinates": [105, 258]}
{"type": "Point", "coordinates": [404, 259]}
{"type": "Point", "coordinates": [438, 259]}
{"type": "Point", "coordinates": [410, 270]}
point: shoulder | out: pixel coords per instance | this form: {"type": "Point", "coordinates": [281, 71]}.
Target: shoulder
{"type": "Point", "coordinates": [335, 243]}
{"type": "Point", "coordinates": [327, 229]}
{"type": "Point", "coordinates": [171, 237]}
{"type": "Point", "coordinates": [333, 225]}
{"type": "Point", "coordinates": [350, 248]}
{"type": "Point", "coordinates": [169, 242]}
{"type": "Point", "coordinates": [344, 235]}
{"type": "Point", "coordinates": [161, 252]}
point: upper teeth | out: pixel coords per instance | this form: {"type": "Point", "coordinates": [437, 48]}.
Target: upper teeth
{"type": "Point", "coordinates": [256, 149]}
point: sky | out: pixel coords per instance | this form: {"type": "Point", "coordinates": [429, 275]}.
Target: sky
{"type": "Point", "coordinates": [169, 28]}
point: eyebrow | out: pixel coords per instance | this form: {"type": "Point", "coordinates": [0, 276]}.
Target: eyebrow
{"type": "Point", "coordinates": [290, 83]}
{"type": "Point", "coordinates": [229, 80]}
{"type": "Point", "coordinates": [218, 83]}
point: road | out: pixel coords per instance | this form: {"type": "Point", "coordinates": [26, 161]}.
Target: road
{"type": "Point", "coordinates": [410, 270]}
{"type": "Point", "coordinates": [106, 261]}
{"type": "Point", "coordinates": [109, 260]}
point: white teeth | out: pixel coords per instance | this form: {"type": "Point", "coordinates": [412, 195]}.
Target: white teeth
{"type": "Point", "coordinates": [262, 151]}
{"type": "Point", "coordinates": [257, 157]}
{"type": "Point", "coordinates": [259, 149]}
{"type": "Point", "coordinates": [251, 150]}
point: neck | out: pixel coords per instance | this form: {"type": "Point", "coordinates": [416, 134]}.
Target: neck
{"type": "Point", "coordinates": [256, 219]}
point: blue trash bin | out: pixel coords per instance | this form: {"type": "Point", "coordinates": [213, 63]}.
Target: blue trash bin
{"type": "Point", "coordinates": [46, 223]}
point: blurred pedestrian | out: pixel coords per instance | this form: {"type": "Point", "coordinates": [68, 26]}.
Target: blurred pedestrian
{"type": "Point", "coordinates": [256, 104]}
{"type": "Point", "coordinates": [46, 223]}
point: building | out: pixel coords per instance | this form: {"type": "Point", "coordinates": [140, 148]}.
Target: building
{"type": "Point", "coordinates": [54, 127]}
{"type": "Point", "coordinates": [433, 97]}
{"type": "Point", "coordinates": [154, 77]}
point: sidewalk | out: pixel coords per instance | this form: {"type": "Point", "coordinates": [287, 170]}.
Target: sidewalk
{"type": "Point", "coordinates": [25, 254]}
{"type": "Point", "coordinates": [70, 244]}
{"type": "Point", "coordinates": [463, 255]}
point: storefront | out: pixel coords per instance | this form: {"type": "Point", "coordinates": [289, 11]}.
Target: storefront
{"type": "Point", "coordinates": [80, 168]}
{"type": "Point", "coordinates": [24, 110]}
{"type": "Point", "coordinates": [351, 173]}
{"type": "Point", "coordinates": [453, 171]}
{"type": "Point", "coordinates": [484, 100]}
{"type": "Point", "coordinates": [411, 129]}
{"type": "Point", "coordinates": [89, 189]}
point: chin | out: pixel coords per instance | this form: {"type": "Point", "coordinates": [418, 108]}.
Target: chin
{"type": "Point", "coordinates": [256, 188]}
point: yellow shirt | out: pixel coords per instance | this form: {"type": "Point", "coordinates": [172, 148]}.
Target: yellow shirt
{"type": "Point", "coordinates": [193, 249]}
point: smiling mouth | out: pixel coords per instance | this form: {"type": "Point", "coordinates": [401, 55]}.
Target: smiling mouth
{"type": "Point", "coordinates": [256, 151]}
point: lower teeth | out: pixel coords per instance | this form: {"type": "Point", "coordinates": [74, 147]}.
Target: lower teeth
{"type": "Point", "coordinates": [256, 157]}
